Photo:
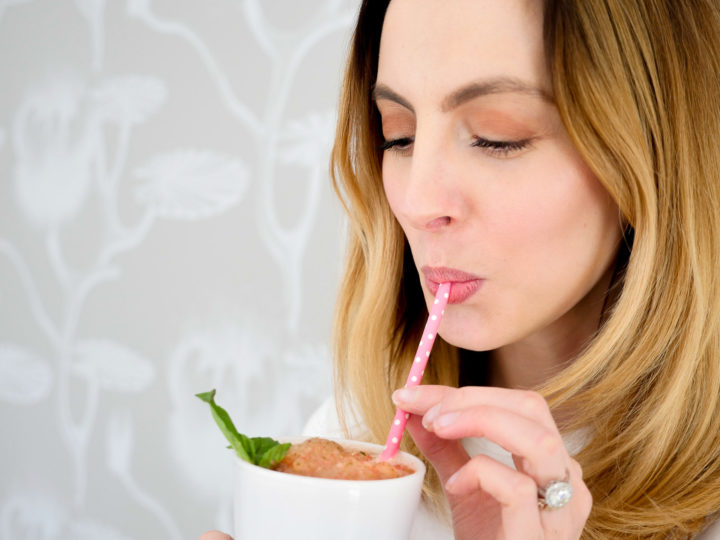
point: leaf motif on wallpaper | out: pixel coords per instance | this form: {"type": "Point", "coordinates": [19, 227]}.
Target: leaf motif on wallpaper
{"type": "Point", "coordinates": [191, 184]}
{"type": "Point", "coordinates": [36, 516]}
{"type": "Point", "coordinates": [24, 377]}
{"type": "Point", "coordinates": [119, 441]}
{"type": "Point", "coordinates": [137, 8]}
{"type": "Point", "coordinates": [31, 517]}
{"type": "Point", "coordinates": [112, 366]}
{"type": "Point", "coordinates": [54, 145]}
{"type": "Point", "coordinates": [128, 99]}
{"type": "Point", "coordinates": [94, 11]}
{"type": "Point", "coordinates": [235, 358]}
{"type": "Point", "coordinates": [310, 139]}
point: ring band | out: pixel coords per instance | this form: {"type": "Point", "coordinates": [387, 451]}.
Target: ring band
{"type": "Point", "coordinates": [555, 494]}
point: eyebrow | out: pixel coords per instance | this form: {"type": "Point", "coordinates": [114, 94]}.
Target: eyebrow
{"type": "Point", "coordinates": [468, 92]}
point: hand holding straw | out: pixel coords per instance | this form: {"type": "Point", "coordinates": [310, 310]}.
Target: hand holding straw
{"type": "Point", "coordinates": [418, 368]}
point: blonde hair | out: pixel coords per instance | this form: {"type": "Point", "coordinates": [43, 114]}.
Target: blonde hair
{"type": "Point", "coordinates": [637, 85]}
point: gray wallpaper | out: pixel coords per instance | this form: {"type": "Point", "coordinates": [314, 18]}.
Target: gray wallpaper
{"type": "Point", "coordinates": [167, 226]}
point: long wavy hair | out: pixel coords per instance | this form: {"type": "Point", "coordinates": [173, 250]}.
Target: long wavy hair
{"type": "Point", "coordinates": [637, 85]}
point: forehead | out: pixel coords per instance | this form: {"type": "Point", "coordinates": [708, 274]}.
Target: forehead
{"type": "Point", "coordinates": [434, 46]}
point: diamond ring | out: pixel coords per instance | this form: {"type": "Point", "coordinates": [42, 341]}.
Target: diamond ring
{"type": "Point", "coordinates": [556, 494]}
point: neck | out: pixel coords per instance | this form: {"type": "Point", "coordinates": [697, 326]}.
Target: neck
{"type": "Point", "coordinates": [529, 363]}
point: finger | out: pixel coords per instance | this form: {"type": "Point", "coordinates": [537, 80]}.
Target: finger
{"type": "Point", "coordinates": [581, 499]}
{"type": "Point", "coordinates": [420, 399]}
{"type": "Point", "coordinates": [215, 535]}
{"type": "Point", "coordinates": [572, 517]}
{"type": "Point", "coordinates": [542, 450]}
{"type": "Point", "coordinates": [446, 456]}
{"type": "Point", "coordinates": [516, 493]}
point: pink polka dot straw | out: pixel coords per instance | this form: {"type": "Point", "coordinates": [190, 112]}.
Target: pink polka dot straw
{"type": "Point", "coordinates": [418, 368]}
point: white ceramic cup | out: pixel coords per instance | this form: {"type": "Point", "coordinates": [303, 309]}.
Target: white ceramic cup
{"type": "Point", "coordinates": [272, 505]}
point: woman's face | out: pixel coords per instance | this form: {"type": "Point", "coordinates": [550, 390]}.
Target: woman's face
{"type": "Point", "coordinates": [482, 176]}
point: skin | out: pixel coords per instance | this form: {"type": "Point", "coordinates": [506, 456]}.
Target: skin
{"type": "Point", "coordinates": [215, 535]}
{"type": "Point", "coordinates": [533, 222]}
{"type": "Point", "coordinates": [490, 183]}
{"type": "Point", "coordinates": [522, 211]}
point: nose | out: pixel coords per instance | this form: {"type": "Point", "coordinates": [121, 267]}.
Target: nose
{"type": "Point", "coordinates": [430, 198]}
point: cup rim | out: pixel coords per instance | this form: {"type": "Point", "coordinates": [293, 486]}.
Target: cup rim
{"type": "Point", "coordinates": [402, 457]}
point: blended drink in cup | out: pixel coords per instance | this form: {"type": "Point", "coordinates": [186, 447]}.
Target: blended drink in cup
{"type": "Point", "coordinates": [323, 458]}
{"type": "Point", "coordinates": [271, 504]}
{"type": "Point", "coordinates": [319, 489]}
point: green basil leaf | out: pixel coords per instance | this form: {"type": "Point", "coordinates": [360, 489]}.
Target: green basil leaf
{"type": "Point", "coordinates": [238, 441]}
{"type": "Point", "coordinates": [249, 448]}
{"type": "Point", "coordinates": [262, 445]}
{"type": "Point", "coordinates": [274, 455]}
{"type": "Point", "coordinates": [262, 451]}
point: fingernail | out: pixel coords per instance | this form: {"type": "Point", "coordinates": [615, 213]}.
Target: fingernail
{"type": "Point", "coordinates": [446, 419]}
{"type": "Point", "coordinates": [430, 417]}
{"type": "Point", "coordinates": [404, 395]}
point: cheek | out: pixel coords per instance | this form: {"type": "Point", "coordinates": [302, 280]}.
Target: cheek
{"type": "Point", "coordinates": [558, 211]}
{"type": "Point", "coordinates": [564, 227]}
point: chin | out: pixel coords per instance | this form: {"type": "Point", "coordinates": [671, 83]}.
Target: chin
{"type": "Point", "coordinates": [478, 342]}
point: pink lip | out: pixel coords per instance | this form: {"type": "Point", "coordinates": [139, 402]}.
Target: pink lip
{"type": "Point", "coordinates": [464, 285]}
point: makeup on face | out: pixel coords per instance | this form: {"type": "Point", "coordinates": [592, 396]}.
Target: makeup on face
{"type": "Point", "coordinates": [482, 176]}
{"type": "Point", "coordinates": [500, 123]}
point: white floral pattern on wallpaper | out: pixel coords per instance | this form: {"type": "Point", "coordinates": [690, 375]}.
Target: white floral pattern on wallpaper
{"type": "Point", "coordinates": [69, 152]}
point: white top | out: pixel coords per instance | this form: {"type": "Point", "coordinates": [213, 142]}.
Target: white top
{"type": "Point", "coordinates": [427, 526]}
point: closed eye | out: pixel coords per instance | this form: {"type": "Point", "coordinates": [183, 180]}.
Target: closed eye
{"type": "Point", "coordinates": [402, 145]}
{"type": "Point", "coordinates": [501, 148]}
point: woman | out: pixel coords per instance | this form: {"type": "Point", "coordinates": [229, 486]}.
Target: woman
{"type": "Point", "coordinates": [557, 163]}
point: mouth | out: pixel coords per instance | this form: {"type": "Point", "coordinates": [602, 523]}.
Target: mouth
{"type": "Point", "coordinates": [463, 284]}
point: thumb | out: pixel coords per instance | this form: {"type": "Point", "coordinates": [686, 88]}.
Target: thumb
{"type": "Point", "coordinates": [214, 535]}
{"type": "Point", "coordinates": [446, 455]}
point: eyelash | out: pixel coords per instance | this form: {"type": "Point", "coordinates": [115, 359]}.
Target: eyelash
{"type": "Point", "coordinates": [498, 148]}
